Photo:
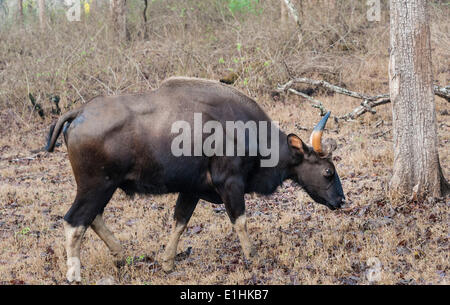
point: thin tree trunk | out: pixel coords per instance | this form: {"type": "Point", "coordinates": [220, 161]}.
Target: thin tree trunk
{"type": "Point", "coordinates": [41, 4]}
{"type": "Point", "coordinates": [284, 15]}
{"type": "Point", "coordinates": [119, 18]}
{"type": "Point", "coordinates": [20, 12]}
{"type": "Point", "coordinates": [288, 9]}
{"type": "Point", "coordinates": [95, 5]}
{"type": "Point", "coordinates": [144, 13]}
{"type": "Point", "coordinates": [416, 171]}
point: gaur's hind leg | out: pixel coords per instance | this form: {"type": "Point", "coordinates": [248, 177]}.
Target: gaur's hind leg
{"type": "Point", "coordinates": [232, 194]}
{"type": "Point", "coordinates": [87, 205]}
{"type": "Point", "coordinates": [184, 208]}
{"type": "Point", "coordinates": [99, 227]}
{"type": "Point", "coordinates": [74, 235]}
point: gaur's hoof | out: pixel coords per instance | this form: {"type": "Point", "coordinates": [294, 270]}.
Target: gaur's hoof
{"type": "Point", "coordinates": [73, 270]}
{"type": "Point", "coordinates": [250, 253]}
{"type": "Point", "coordinates": [119, 263]}
{"type": "Point", "coordinates": [168, 267]}
{"type": "Point", "coordinates": [72, 277]}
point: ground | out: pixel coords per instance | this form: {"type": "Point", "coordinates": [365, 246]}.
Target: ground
{"type": "Point", "coordinates": [372, 239]}
{"type": "Point", "coordinates": [299, 242]}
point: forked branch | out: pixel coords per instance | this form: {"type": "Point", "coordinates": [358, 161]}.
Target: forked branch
{"type": "Point", "coordinates": [367, 105]}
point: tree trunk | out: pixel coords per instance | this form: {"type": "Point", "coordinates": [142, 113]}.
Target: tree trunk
{"type": "Point", "coordinates": [20, 12]}
{"type": "Point", "coordinates": [41, 4]}
{"type": "Point", "coordinates": [284, 15]}
{"type": "Point", "coordinates": [19, 16]}
{"type": "Point", "coordinates": [144, 13]}
{"type": "Point", "coordinates": [416, 171]}
{"type": "Point", "coordinates": [119, 18]}
{"type": "Point", "coordinates": [288, 10]}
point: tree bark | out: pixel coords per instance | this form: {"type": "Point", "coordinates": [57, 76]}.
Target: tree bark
{"type": "Point", "coordinates": [41, 4]}
{"type": "Point", "coordinates": [144, 14]}
{"type": "Point", "coordinates": [284, 15]}
{"type": "Point", "coordinates": [20, 12]}
{"type": "Point", "coordinates": [119, 18]}
{"type": "Point", "coordinates": [288, 9]}
{"type": "Point", "coordinates": [416, 170]}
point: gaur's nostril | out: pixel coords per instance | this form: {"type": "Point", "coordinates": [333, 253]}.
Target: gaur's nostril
{"type": "Point", "coordinates": [339, 202]}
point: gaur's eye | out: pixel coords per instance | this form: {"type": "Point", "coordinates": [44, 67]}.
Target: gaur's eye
{"type": "Point", "coordinates": [328, 172]}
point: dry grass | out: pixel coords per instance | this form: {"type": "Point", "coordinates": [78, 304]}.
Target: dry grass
{"type": "Point", "coordinates": [298, 241]}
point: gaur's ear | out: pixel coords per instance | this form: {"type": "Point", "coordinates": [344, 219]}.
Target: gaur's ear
{"type": "Point", "coordinates": [296, 145]}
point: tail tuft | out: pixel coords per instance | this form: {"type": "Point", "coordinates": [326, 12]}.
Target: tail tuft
{"type": "Point", "coordinates": [49, 147]}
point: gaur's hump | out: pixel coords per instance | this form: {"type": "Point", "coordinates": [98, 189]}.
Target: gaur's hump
{"type": "Point", "coordinates": [183, 83]}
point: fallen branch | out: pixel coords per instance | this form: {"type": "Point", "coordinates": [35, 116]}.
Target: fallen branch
{"type": "Point", "coordinates": [443, 92]}
{"type": "Point", "coordinates": [332, 87]}
{"type": "Point", "coordinates": [315, 103]}
{"type": "Point", "coordinates": [366, 106]}
{"type": "Point", "coordinates": [369, 102]}
{"type": "Point", "coordinates": [28, 158]}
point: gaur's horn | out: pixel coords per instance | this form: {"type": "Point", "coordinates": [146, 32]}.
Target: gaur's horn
{"type": "Point", "coordinates": [316, 136]}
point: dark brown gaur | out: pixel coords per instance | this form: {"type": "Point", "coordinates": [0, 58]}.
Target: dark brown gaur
{"type": "Point", "coordinates": [125, 141]}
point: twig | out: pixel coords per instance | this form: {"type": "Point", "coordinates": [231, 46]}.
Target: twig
{"type": "Point", "coordinates": [84, 101]}
{"type": "Point", "coordinates": [102, 83]}
{"type": "Point", "coordinates": [32, 157]}
{"type": "Point", "coordinates": [329, 86]}
{"type": "Point", "coordinates": [315, 103]}
{"type": "Point", "coordinates": [369, 102]}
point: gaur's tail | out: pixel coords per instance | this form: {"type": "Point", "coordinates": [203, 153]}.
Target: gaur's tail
{"type": "Point", "coordinates": [55, 128]}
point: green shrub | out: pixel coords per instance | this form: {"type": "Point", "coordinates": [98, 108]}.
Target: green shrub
{"type": "Point", "coordinates": [243, 6]}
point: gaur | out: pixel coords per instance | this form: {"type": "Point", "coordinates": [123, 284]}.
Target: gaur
{"type": "Point", "coordinates": [125, 142]}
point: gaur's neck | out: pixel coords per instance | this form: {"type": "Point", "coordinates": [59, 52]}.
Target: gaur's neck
{"type": "Point", "coordinates": [267, 179]}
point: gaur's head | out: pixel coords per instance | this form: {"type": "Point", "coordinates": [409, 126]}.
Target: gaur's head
{"type": "Point", "coordinates": [313, 167]}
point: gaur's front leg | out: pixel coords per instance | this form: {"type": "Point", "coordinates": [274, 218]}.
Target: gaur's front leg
{"type": "Point", "coordinates": [184, 208]}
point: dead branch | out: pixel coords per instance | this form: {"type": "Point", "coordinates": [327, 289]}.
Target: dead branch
{"type": "Point", "coordinates": [367, 105]}
{"type": "Point", "coordinates": [28, 158]}
{"type": "Point", "coordinates": [443, 92]}
{"type": "Point", "coordinates": [314, 103]}
{"type": "Point", "coordinates": [329, 86]}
